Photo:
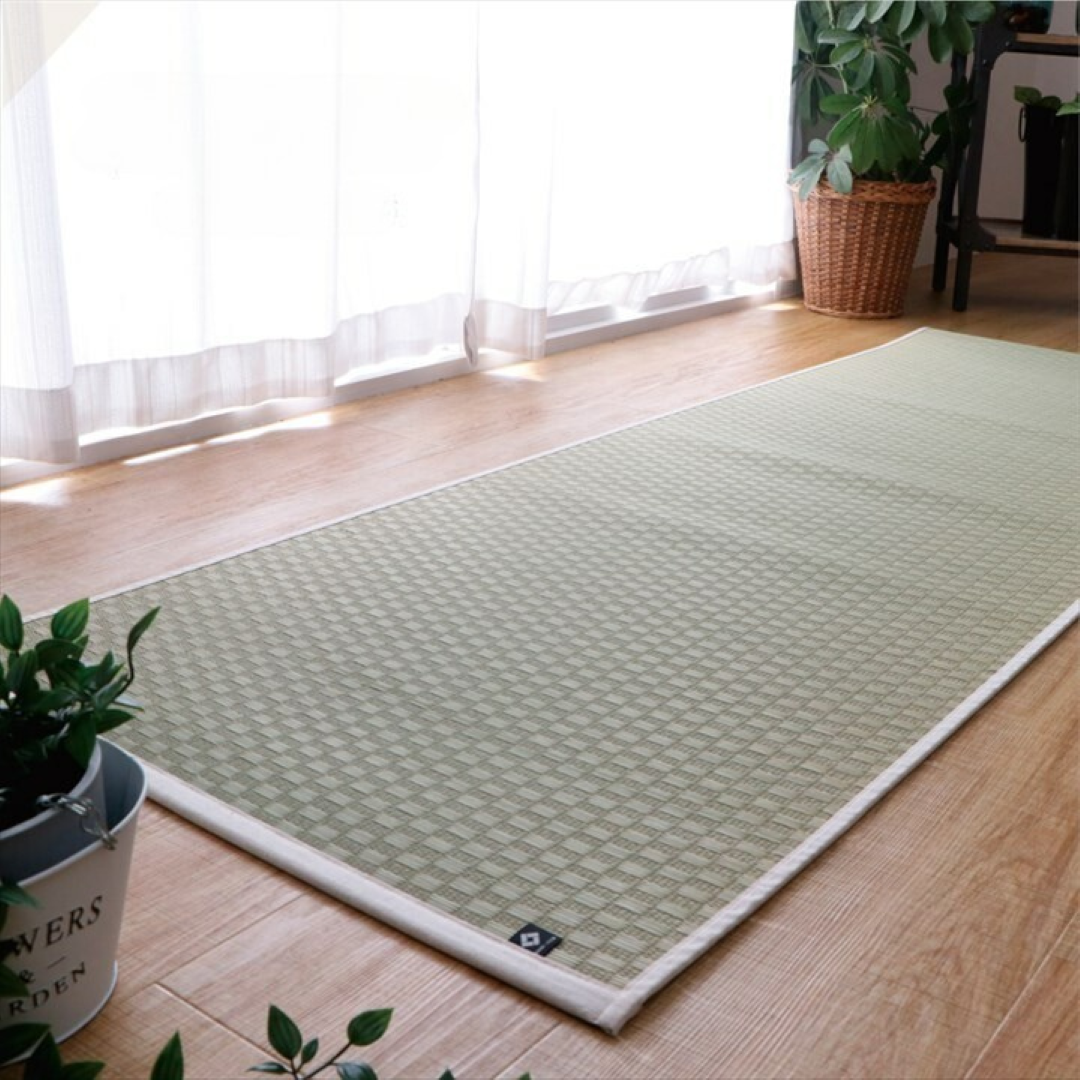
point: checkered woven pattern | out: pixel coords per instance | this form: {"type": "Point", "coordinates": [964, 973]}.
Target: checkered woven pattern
{"type": "Point", "coordinates": [604, 690]}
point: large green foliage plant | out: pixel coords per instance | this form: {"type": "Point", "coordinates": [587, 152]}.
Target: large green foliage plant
{"type": "Point", "coordinates": [854, 68]}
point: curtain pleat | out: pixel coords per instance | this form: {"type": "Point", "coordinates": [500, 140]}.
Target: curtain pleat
{"type": "Point", "coordinates": [208, 204]}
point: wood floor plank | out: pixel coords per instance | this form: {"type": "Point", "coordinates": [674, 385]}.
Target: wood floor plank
{"type": "Point", "coordinates": [140, 1025]}
{"type": "Point", "coordinates": [444, 1010]}
{"type": "Point", "coordinates": [1041, 1034]}
{"type": "Point", "coordinates": [194, 891]}
{"type": "Point", "coordinates": [927, 942]}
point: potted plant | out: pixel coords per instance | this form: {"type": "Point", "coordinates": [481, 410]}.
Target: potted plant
{"type": "Point", "coordinates": [68, 803]}
{"type": "Point", "coordinates": [862, 190]}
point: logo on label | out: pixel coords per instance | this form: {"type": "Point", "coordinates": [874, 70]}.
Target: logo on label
{"type": "Point", "coordinates": [536, 939]}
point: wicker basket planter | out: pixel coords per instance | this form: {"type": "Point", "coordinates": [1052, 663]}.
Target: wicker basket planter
{"type": "Point", "coordinates": [856, 251]}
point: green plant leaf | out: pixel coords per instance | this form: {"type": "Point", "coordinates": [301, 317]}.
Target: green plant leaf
{"type": "Point", "coordinates": [112, 718]}
{"type": "Point", "coordinates": [851, 15]}
{"type": "Point", "coordinates": [807, 174]}
{"type": "Point", "coordinates": [885, 147]}
{"type": "Point", "coordinates": [804, 29]}
{"type": "Point", "coordinates": [959, 29]}
{"type": "Point", "coordinates": [369, 1027]}
{"type": "Point", "coordinates": [845, 53]}
{"type": "Point", "coordinates": [140, 628]}
{"type": "Point", "coordinates": [20, 1038]}
{"type": "Point", "coordinates": [810, 182]}
{"type": "Point", "coordinates": [355, 1070]}
{"type": "Point", "coordinates": [901, 15]}
{"type": "Point", "coordinates": [838, 37]}
{"type": "Point", "coordinates": [82, 1070]}
{"type": "Point", "coordinates": [170, 1062]}
{"type": "Point", "coordinates": [899, 56]}
{"type": "Point", "coordinates": [14, 895]}
{"type": "Point", "coordinates": [446, 1074]}
{"type": "Point", "coordinates": [45, 1062]}
{"type": "Point", "coordinates": [914, 29]}
{"type": "Point", "coordinates": [102, 673]}
{"type": "Point", "coordinates": [877, 11]}
{"type": "Point", "coordinates": [1027, 95]}
{"type": "Point", "coordinates": [308, 1051]}
{"type": "Point", "coordinates": [885, 74]}
{"type": "Point", "coordinates": [862, 152]}
{"type": "Point", "coordinates": [69, 622]}
{"type": "Point", "coordinates": [812, 84]}
{"type": "Point", "coordinates": [839, 173]}
{"type": "Point", "coordinates": [11, 985]}
{"type": "Point", "coordinates": [818, 146]}
{"type": "Point", "coordinates": [22, 672]}
{"type": "Point", "coordinates": [1070, 108]}
{"type": "Point", "coordinates": [55, 658]}
{"type": "Point", "coordinates": [81, 738]}
{"type": "Point", "coordinates": [939, 42]}
{"type": "Point", "coordinates": [273, 1068]}
{"type": "Point", "coordinates": [284, 1035]}
{"type": "Point", "coordinates": [812, 163]}
{"type": "Point", "coordinates": [864, 72]}
{"type": "Point", "coordinates": [839, 105]}
{"type": "Point", "coordinates": [844, 130]}
{"type": "Point", "coordinates": [979, 11]}
{"type": "Point", "coordinates": [936, 11]}
{"type": "Point", "coordinates": [11, 625]}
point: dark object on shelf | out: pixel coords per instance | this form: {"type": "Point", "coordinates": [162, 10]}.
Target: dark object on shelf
{"type": "Point", "coordinates": [1068, 188]}
{"type": "Point", "coordinates": [958, 221]}
{"type": "Point", "coordinates": [1032, 18]}
{"type": "Point", "coordinates": [1041, 133]}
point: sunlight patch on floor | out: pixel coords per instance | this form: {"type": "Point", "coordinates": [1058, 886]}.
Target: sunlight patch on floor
{"type": "Point", "coordinates": [161, 455]}
{"type": "Point", "coordinates": [51, 492]}
{"type": "Point", "coordinates": [527, 372]}
{"type": "Point", "coordinates": [309, 422]}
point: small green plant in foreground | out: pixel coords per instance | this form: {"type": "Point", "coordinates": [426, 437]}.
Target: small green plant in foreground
{"type": "Point", "coordinates": [295, 1054]}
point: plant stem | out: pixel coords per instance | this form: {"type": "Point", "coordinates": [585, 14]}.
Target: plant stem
{"type": "Point", "coordinates": [325, 1065]}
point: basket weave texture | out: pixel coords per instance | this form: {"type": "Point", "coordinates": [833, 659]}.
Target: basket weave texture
{"type": "Point", "coordinates": [857, 250]}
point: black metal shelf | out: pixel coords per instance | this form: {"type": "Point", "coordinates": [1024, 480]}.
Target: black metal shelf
{"type": "Point", "coordinates": [960, 182]}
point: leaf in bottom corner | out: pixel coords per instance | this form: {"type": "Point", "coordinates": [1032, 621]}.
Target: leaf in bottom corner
{"type": "Point", "coordinates": [355, 1070]}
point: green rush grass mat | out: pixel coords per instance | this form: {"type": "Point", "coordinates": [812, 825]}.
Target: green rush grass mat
{"type": "Point", "coordinates": [626, 690]}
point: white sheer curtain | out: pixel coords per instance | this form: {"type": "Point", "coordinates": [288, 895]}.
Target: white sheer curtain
{"type": "Point", "coordinates": [207, 205]}
{"type": "Point", "coordinates": [672, 149]}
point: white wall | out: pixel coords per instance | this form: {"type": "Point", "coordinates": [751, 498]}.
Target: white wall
{"type": "Point", "coordinates": [1002, 185]}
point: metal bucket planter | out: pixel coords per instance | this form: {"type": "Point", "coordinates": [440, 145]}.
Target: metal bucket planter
{"type": "Point", "coordinates": [65, 949]}
{"type": "Point", "coordinates": [53, 835]}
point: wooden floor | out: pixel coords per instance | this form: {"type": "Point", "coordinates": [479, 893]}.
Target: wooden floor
{"type": "Point", "coordinates": [939, 938]}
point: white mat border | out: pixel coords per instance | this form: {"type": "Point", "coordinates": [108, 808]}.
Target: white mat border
{"type": "Point", "coordinates": [559, 986]}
